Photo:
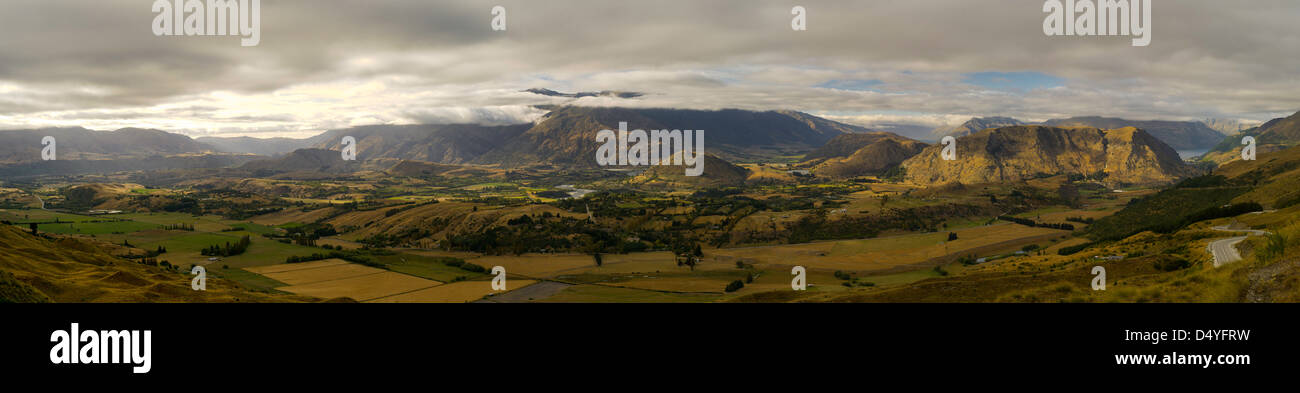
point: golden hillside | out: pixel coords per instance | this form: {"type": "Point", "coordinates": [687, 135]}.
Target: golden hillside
{"type": "Point", "coordinates": [1009, 154]}
{"type": "Point", "coordinates": [871, 159]}
{"type": "Point", "coordinates": [36, 269]}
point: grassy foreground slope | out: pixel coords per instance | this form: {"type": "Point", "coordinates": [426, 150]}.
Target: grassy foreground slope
{"type": "Point", "coordinates": [38, 269]}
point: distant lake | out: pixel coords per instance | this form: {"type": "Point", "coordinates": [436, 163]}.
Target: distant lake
{"type": "Point", "coordinates": [1185, 154]}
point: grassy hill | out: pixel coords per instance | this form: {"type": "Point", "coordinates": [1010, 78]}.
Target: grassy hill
{"type": "Point", "coordinates": [1275, 135]}
{"type": "Point", "coordinates": [37, 269]}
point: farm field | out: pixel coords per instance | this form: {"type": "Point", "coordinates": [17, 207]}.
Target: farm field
{"type": "Point", "coordinates": [457, 292]}
{"type": "Point", "coordinates": [143, 230]}
{"type": "Point", "coordinates": [890, 253]}
{"type": "Point", "coordinates": [607, 294]}
{"type": "Point", "coordinates": [336, 278]}
{"type": "Point", "coordinates": [25, 215]}
{"type": "Point", "coordinates": [96, 228]}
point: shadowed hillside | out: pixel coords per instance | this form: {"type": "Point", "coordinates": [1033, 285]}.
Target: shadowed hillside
{"type": "Point", "coordinates": [567, 135]}
{"type": "Point", "coordinates": [81, 144]}
{"type": "Point", "coordinates": [446, 144]}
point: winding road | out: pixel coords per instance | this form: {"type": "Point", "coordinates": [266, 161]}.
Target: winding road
{"type": "Point", "coordinates": [1225, 250]}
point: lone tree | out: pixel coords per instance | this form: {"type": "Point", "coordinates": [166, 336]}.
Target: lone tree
{"type": "Point", "coordinates": [598, 261]}
{"type": "Point", "coordinates": [33, 226]}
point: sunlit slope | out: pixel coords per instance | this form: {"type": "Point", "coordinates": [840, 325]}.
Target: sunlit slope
{"type": "Point", "coordinates": [66, 270]}
{"type": "Point", "coordinates": [1121, 156]}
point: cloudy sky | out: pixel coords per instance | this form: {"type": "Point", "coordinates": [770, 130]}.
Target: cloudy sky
{"type": "Point", "coordinates": [325, 64]}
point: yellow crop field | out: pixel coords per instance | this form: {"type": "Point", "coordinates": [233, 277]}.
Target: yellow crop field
{"type": "Point", "coordinates": [457, 292]}
{"type": "Point", "coordinates": [295, 266]}
{"type": "Point", "coordinates": [325, 273]}
{"type": "Point", "coordinates": [550, 265]}
{"type": "Point", "coordinates": [336, 278]}
{"type": "Point", "coordinates": [888, 252]}
{"type": "Point", "coordinates": [363, 287]}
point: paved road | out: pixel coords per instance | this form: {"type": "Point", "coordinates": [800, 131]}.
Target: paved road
{"type": "Point", "coordinates": [1225, 250]}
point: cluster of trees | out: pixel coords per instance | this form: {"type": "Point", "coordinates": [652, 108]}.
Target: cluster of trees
{"type": "Point", "coordinates": [817, 226]}
{"type": "Point", "coordinates": [1071, 250]}
{"type": "Point", "coordinates": [1032, 223]}
{"type": "Point", "coordinates": [550, 233]}
{"type": "Point", "coordinates": [178, 227]}
{"type": "Point", "coordinates": [153, 253]}
{"type": "Point", "coordinates": [396, 239]}
{"type": "Point", "coordinates": [466, 266]}
{"type": "Point", "coordinates": [350, 256]}
{"type": "Point", "coordinates": [1170, 210]}
{"type": "Point", "coordinates": [229, 249]}
{"type": "Point", "coordinates": [306, 235]}
{"type": "Point", "coordinates": [150, 261]}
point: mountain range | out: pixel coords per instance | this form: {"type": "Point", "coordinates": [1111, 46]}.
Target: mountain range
{"type": "Point", "coordinates": [565, 137]}
{"type": "Point", "coordinates": [250, 145]}
{"type": "Point", "coordinates": [1274, 135]}
{"type": "Point", "coordinates": [440, 143]}
{"type": "Point", "coordinates": [1008, 154]}
{"type": "Point", "coordinates": [1180, 135]}
{"type": "Point", "coordinates": [18, 146]}
{"type": "Point", "coordinates": [1229, 126]}
{"type": "Point", "coordinates": [974, 125]}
